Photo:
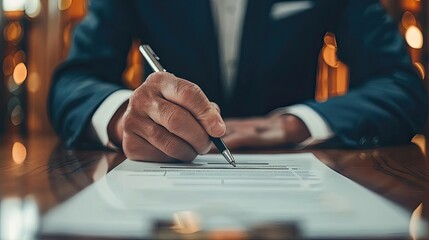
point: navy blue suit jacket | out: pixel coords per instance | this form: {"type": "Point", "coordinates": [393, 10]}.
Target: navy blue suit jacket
{"type": "Point", "coordinates": [386, 103]}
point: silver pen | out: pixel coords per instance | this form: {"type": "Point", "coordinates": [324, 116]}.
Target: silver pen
{"type": "Point", "coordinates": [153, 61]}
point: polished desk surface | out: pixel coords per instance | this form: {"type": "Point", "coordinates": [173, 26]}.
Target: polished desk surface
{"type": "Point", "coordinates": [51, 174]}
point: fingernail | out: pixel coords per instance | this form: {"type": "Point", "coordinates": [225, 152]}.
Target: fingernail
{"type": "Point", "coordinates": [219, 128]}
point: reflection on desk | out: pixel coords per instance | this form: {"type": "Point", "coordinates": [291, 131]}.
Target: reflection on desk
{"type": "Point", "coordinates": [51, 174]}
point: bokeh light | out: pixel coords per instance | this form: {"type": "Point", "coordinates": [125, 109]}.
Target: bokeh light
{"type": "Point", "coordinates": [19, 153]}
{"type": "Point", "coordinates": [17, 116]}
{"type": "Point", "coordinates": [13, 102]}
{"type": "Point", "coordinates": [414, 37]}
{"type": "Point", "coordinates": [408, 19]}
{"type": "Point", "coordinates": [19, 57]}
{"type": "Point", "coordinates": [15, 111]}
{"type": "Point", "coordinates": [11, 85]}
{"type": "Point", "coordinates": [33, 82]}
{"type": "Point", "coordinates": [329, 51]}
{"type": "Point", "coordinates": [13, 5]}
{"type": "Point", "coordinates": [20, 73]}
{"type": "Point", "coordinates": [421, 69]}
{"type": "Point", "coordinates": [330, 40]}
{"type": "Point", "coordinates": [33, 8]}
{"type": "Point", "coordinates": [13, 32]}
{"type": "Point", "coordinates": [329, 54]}
{"type": "Point", "coordinates": [64, 4]}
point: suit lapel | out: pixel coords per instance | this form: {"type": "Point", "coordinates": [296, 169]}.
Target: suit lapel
{"type": "Point", "coordinates": [248, 85]}
{"type": "Point", "coordinates": [207, 44]}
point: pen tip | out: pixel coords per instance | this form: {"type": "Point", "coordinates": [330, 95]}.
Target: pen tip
{"type": "Point", "coordinates": [228, 156]}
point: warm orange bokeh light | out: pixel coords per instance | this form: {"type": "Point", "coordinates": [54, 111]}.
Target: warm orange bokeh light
{"type": "Point", "coordinates": [20, 73]}
{"type": "Point", "coordinates": [329, 51]}
{"type": "Point", "coordinates": [329, 54]}
{"type": "Point", "coordinates": [13, 32]}
{"type": "Point", "coordinates": [33, 83]}
{"type": "Point", "coordinates": [421, 69]}
{"type": "Point", "coordinates": [64, 4]}
{"type": "Point", "coordinates": [19, 153]}
{"type": "Point", "coordinates": [414, 37]}
{"type": "Point", "coordinates": [408, 19]}
{"type": "Point", "coordinates": [19, 57]}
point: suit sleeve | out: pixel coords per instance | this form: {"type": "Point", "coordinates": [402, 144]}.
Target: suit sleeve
{"type": "Point", "coordinates": [93, 69]}
{"type": "Point", "coordinates": [386, 103]}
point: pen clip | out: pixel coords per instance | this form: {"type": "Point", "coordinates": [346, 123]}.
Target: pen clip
{"type": "Point", "coordinates": [151, 58]}
{"type": "Point", "coordinates": [152, 52]}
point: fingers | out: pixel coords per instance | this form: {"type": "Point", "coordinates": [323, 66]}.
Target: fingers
{"type": "Point", "coordinates": [240, 139]}
{"type": "Point", "coordinates": [215, 106]}
{"type": "Point", "coordinates": [181, 123]}
{"type": "Point", "coordinates": [157, 136]}
{"type": "Point", "coordinates": [137, 148]}
{"type": "Point", "coordinates": [190, 96]}
{"type": "Point", "coordinates": [169, 118]}
{"type": "Point", "coordinates": [255, 132]}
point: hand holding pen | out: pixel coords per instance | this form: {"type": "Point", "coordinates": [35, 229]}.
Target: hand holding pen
{"type": "Point", "coordinates": [153, 61]}
{"type": "Point", "coordinates": [166, 118]}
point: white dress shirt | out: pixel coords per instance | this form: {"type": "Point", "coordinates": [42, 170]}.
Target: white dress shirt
{"type": "Point", "coordinates": [228, 17]}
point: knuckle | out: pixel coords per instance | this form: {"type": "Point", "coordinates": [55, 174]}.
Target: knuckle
{"type": "Point", "coordinates": [152, 131]}
{"type": "Point", "coordinates": [173, 120]}
{"type": "Point", "coordinates": [143, 102]}
{"type": "Point", "coordinates": [149, 104]}
{"type": "Point", "coordinates": [139, 100]}
{"type": "Point", "coordinates": [171, 147]}
{"type": "Point", "coordinates": [196, 89]}
{"type": "Point", "coordinates": [128, 122]}
{"type": "Point", "coordinates": [171, 116]}
{"type": "Point", "coordinates": [134, 100]}
{"type": "Point", "coordinates": [204, 113]}
{"type": "Point", "coordinates": [188, 90]}
{"type": "Point", "coordinates": [213, 104]}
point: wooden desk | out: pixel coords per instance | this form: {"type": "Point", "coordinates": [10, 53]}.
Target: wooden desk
{"type": "Point", "coordinates": [51, 174]}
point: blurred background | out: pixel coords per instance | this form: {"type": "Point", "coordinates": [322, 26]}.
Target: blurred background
{"type": "Point", "coordinates": [36, 34]}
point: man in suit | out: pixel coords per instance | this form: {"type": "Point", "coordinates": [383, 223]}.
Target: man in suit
{"type": "Point", "coordinates": [254, 60]}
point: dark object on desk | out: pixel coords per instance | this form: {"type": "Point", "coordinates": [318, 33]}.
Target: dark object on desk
{"type": "Point", "coordinates": [276, 231]}
{"type": "Point", "coordinates": [270, 231]}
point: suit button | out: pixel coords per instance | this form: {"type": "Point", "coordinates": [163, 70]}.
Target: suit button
{"type": "Point", "coordinates": [362, 141]}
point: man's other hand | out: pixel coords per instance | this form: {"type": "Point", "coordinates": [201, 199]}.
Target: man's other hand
{"type": "Point", "coordinates": [267, 131]}
{"type": "Point", "coordinates": [166, 118]}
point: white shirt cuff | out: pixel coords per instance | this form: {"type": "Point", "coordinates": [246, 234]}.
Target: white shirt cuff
{"type": "Point", "coordinates": [101, 118]}
{"type": "Point", "coordinates": [319, 130]}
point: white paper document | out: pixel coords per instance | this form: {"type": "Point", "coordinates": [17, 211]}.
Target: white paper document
{"type": "Point", "coordinates": [261, 189]}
